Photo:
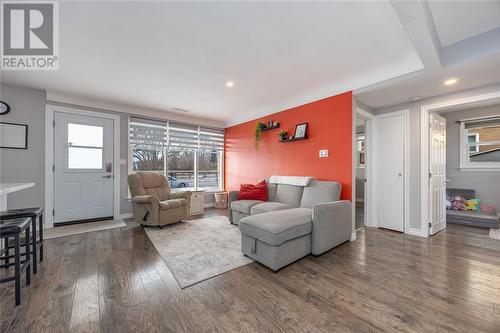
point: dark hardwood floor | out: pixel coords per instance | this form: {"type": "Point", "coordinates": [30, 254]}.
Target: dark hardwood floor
{"type": "Point", "coordinates": [115, 281]}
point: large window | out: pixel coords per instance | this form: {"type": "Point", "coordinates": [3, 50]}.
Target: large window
{"type": "Point", "coordinates": [480, 147]}
{"type": "Point", "coordinates": [191, 157]}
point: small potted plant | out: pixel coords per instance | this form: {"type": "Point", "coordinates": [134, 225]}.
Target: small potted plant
{"type": "Point", "coordinates": [283, 134]}
{"type": "Point", "coordinates": [258, 133]}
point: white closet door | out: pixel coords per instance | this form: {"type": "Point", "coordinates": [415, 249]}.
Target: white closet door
{"type": "Point", "coordinates": [390, 171]}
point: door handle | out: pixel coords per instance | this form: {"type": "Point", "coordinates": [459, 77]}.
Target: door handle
{"type": "Point", "coordinates": [447, 180]}
{"type": "Point", "coordinates": [400, 174]}
{"type": "Point", "coordinates": [107, 176]}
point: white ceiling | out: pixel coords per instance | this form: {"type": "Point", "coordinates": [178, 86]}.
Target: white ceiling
{"type": "Point", "coordinates": [459, 20]}
{"type": "Point", "coordinates": [430, 83]}
{"type": "Point", "coordinates": [165, 55]}
{"type": "Point", "coordinates": [454, 40]}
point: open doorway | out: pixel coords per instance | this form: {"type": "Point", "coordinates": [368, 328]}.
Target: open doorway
{"type": "Point", "coordinates": [360, 171]}
{"type": "Point", "coordinates": [461, 152]}
{"type": "Point", "coordinates": [362, 162]}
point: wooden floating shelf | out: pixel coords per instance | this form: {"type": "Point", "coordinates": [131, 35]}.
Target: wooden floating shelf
{"type": "Point", "coordinates": [270, 128]}
{"type": "Point", "coordinates": [294, 139]}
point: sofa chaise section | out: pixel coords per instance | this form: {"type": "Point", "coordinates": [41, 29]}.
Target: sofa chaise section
{"type": "Point", "coordinates": [312, 220]}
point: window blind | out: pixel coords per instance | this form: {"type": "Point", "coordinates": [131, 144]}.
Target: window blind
{"type": "Point", "coordinates": [211, 139]}
{"type": "Point", "coordinates": [182, 136]}
{"type": "Point", "coordinates": [147, 134]}
{"type": "Point", "coordinates": [482, 122]}
{"type": "Point", "coordinates": [152, 135]}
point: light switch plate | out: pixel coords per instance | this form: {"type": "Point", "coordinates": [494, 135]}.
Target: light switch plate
{"type": "Point", "coordinates": [323, 153]}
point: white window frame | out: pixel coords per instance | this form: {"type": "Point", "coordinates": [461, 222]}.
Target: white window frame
{"type": "Point", "coordinates": [476, 147]}
{"type": "Point", "coordinates": [465, 163]}
{"type": "Point", "coordinates": [220, 170]}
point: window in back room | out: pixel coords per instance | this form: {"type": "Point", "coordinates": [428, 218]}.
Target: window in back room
{"type": "Point", "coordinates": [481, 146]}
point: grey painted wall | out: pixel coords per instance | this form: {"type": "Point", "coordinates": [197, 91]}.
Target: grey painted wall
{"type": "Point", "coordinates": [16, 165]}
{"type": "Point", "coordinates": [414, 142]}
{"type": "Point", "coordinates": [486, 183]}
{"type": "Point", "coordinates": [28, 107]}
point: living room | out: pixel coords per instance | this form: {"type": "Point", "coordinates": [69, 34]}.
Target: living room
{"type": "Point", "coordinates": [250, 166]}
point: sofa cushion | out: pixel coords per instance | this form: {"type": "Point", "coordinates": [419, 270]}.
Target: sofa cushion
{"type": "Point", "coordinates": [173, 203]}
{"type": "Point", "coordinates": [320, 192]}
{"type": "Point", "coordinates": [268, 207]}
{"type": "Point", "coordinates": [275, 228]}
{"type": "Point", "coordinates": [289, 194]}
{"type": "Point", "coordinates": [243, 206]}
{"type": "Point", "coordinates": [271, 191]}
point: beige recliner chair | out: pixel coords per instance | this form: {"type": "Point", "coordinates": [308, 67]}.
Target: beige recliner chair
{"type": "Point", "coordinates": [153, 203]}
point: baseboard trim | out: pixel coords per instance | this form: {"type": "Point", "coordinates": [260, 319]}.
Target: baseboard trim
{"type": "Point", "coordinates": [353, 237]}
{"type": "Point", "coordinates": [495, 233]}
{"type": "Point", "coordinates": [416, 232]}
{"type": "Point", "coordinates": [126, 216]}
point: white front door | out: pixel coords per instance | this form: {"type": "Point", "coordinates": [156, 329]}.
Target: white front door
{"type": "Point", "coordinates": [437, 173]}
{"type": "Point", "coordinates": [83, 176]}
{"type": "Point", "coordinates": [390, 171]}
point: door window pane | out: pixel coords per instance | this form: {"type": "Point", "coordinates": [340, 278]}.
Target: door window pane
{"type": "Point", "coordinates": [208, 169]}
{"type": "Point", "coordinates": [85, 135]}
{"type": "Point", "coordinates": [84, 158]}
{"type": "Point", "coordinates": [180, 167]}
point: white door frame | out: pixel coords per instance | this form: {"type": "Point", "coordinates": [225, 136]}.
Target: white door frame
{"type": "Point", "coordinates": [49, 157]}
{"type": "Point", "coordinates": [369, 175]}
{"type": "Point", "coordinates": [424, 148]}
{"type": "Point", "coordinates": [406, 178]}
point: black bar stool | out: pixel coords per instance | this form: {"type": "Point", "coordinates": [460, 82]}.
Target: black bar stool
{"type": "Point", "coordinates": [13, 229]}
{"type": "Point", "coordinates": [34, 214]}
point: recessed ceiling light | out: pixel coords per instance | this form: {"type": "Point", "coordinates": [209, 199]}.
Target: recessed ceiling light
{"type": "Point", "coordinates": [229, 84]}
{"type": "Point", "coordinates": [450, 82]}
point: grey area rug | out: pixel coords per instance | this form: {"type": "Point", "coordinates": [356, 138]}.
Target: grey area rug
{"type": "Point", "coordinates": [199, 249]}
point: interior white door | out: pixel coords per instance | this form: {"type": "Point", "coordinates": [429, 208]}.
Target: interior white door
{"type": "Point", "coordinates": [390, 171]}
{"type": "Point", "coordinates": [83, 169]}
{"type": "Point", "coordinates": [437, 173]}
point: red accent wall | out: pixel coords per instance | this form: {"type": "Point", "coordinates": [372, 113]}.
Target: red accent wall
{"type": "Point", "coordinates": [329, 127]}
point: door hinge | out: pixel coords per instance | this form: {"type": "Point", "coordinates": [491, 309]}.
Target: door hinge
{"type": "Point", "coordinates": [53, 123]}
{"type": "Point", "coordinates": [430, 225]}
{"type": "Point", "coordinates": [53, 212]}
{"type": "Point", "coordinates": [53, 168]}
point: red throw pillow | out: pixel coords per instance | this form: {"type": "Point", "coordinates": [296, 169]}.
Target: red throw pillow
{"type": "Point", "coordinates": [253, 192]}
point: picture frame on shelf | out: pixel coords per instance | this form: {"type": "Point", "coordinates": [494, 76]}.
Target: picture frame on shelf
{"type": "Point", "coordinates": [300, 131]}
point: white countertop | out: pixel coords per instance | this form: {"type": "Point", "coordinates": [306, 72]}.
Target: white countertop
{"type": "Point", "coordinates": [6, 188]}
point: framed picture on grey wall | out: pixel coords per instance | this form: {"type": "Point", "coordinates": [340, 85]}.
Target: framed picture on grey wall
{"type": "Point", "coordinates": [13, 136]}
